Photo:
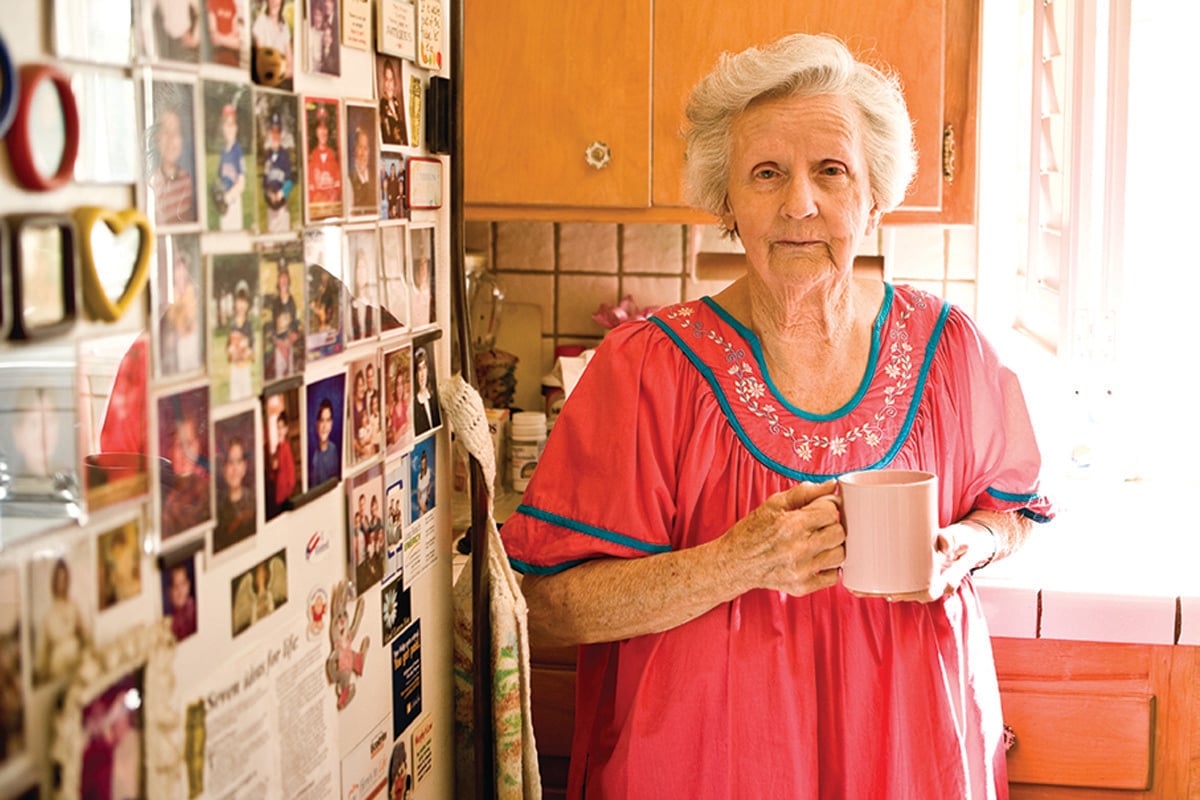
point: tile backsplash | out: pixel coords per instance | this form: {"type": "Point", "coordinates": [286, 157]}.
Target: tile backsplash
{"type": "Point", "coordinates": [570, 268]}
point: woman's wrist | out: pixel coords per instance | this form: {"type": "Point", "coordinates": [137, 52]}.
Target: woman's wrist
{"type": "Point", "coordinates": [994, 542]}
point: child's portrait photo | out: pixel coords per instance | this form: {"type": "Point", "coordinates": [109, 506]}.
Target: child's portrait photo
{"type": "Point", "coordinates": [237, 506]}
{"type": "Point", "coordinates": [397, 397]}
{"type": "Point", "coordinates": [178, 294]}
{"type": "Point", "coordinates": [281, 275]}
{"type": "Point", "coordinates": [362, 147]}
{"type": "Point", "coordinates": [393, 301]}
{"type": "Point", "coordinates": [322, 126]}
{"type": "Point", "coordinates": [323, 257]}
{"type": "Point", "coordinates": [324, 402]}
{"type": "Point", "coordinates": [229, 164]}
{"type": "Point", "coordinates": [280, 168]}
{"type": "Point", "coordinates": [179, 601]}
{"type": "Point", "coordinates": [427, 414]}
{"type": "Point", "coordinates": [185, 471]}
{"type": "Point", "coordinates": [423, 276]}
{"type": "Point", "coordinates": [362, 252]}
{"type": "Point", "coordinates": [324, 45]}
{"type": "Point", "coordinates": [170, 152]}
{"type": "Point", "coordinates": [175, 33]}
{"type": "Point", "coordinates": [258, 592]}
{"type": "Point", "coordinates": [393, 125]}
{"type": "Point", "coordinates": [365, 528]}
{"type": "Point", "coordinates": [235, 351]}
{"type": "Point", "coordinates": [113, 725]}
{"type": "Point", "coordinates": [119, 563]}
{"type": "Point", "coordinates": [281, 445]}
{"type": "Point", "coordinates": [61, 609]}
{"type": "Point", "coordinates": [228, 41]}
{"type": "Point", "coordinates": [422, 478]}
{"type": "Point", "coordinates": [272, 35]}
{"type": "Point", "coordinates": [363, 425]}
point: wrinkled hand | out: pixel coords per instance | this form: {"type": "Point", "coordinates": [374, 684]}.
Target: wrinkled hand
{"type": "Point", "coordinates": [794, 542]}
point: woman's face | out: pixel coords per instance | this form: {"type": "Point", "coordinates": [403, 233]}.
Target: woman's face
{"type": "Point", "coordinates": [360, 386]}
{"type": "Point", "coordinates": [422, 374]}
{"type": "Point", "coordinates": [799, 192]}
{"type": "Point", "coordinates": [60, 582]}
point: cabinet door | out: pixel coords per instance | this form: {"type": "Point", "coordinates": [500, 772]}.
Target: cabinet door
{"type": "Point", "coordinates": [544, 81]}
{"type": "Point", "coordinates": [907, 35]}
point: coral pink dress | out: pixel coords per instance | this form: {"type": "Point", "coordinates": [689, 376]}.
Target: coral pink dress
{"type": "Point", "coordinates": [675, 432]}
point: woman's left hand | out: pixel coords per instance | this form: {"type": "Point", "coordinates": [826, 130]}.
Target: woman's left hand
{"type": "Point", "coordinates": [956, 550]}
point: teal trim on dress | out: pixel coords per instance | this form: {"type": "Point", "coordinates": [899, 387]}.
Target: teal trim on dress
{"type": "Point", "coordinates": [918, 390]}
{"type": "Point", "coordinates": [592, 530]}
{"type": "Point", "coordinates": [756, 347]}
{"type": "Point", "coordinates": [1010, 497]}
{"type": "Point", "coordinates": [533, 569]}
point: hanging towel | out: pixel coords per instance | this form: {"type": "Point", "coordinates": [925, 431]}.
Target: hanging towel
{"type": "Point", "coordinates": [514, 748]}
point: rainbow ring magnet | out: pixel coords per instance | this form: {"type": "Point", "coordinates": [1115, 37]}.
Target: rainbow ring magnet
{"type": "Point", "coordinates": [21, 138]}
{"type": "Point", "coordinates": [100, 304]}
{"type": "Point", "coordinates": [9, 89]}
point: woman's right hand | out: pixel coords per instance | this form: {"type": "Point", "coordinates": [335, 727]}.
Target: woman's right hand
{"type": "Point", "coordinates": [794, 542]}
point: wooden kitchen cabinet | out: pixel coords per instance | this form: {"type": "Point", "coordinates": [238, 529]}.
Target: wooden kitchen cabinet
{"type": "Point", "coordinates": [544, 81]}
{"type": "Point", "coordinates": [1096, 720]}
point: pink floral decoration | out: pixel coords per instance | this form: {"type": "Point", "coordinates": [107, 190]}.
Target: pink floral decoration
{"type": "Point", "coordinates": [626, 311]}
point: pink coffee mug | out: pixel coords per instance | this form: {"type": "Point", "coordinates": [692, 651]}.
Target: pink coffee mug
{"type": "Point", "coordinates": [891, 525]}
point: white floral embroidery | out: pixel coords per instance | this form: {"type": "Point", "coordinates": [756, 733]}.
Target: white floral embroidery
{"type": "Point", "coordinates": [751, 389]}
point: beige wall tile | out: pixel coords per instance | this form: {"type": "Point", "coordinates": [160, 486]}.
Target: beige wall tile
{"type": "Point", "coordinates": [652, 291]}
{"type": "Point", "coordinates": [961, 254]}
{"type": "Point", "coordinates": [915, 252]}
{"type": "Point", "coordinates": [586, 247]}
{"type": "Point", "coordinates": [535, 289]}
{"type": "Point", "coordinates": [933, 287]}
{"type": "Point", "coordinates": [653, 248]}
{"type": "Point", "coordinates": [695, 289]}
{"type": "Point", "coordinates": [525, 246]}
{"type": "Point", "coordinates": [578, 298]}
{"type": "Point", "coordinates": [962, 294]}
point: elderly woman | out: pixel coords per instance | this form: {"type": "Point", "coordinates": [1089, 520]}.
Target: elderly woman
{"type": "Point", "coordinates": [683, 525]}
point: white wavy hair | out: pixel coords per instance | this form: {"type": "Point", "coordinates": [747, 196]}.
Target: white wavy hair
{"type": "Point", "coordinates": [799, 65]}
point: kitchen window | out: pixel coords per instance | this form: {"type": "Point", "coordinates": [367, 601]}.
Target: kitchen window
{"type": "Point", "coordinates": [1099, 317]}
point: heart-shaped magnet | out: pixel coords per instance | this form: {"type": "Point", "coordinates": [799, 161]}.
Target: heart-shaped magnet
{"type": "Point", "coordinates": [114, 258]}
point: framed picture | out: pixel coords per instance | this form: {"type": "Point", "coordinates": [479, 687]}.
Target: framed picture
{"type": "Point", "coordinates": [396, 602]}
{"type": "Point", "coordinates": [362, 146]}
{"type": "Point", "coordinates": [393, 198]}
{"type": "Point", "coordinates": [323, 51]}
{"type": "Point", "coordinates": [61, 609]}
{"type": "Point", "coordinates": [172, 31]}
{"type": "Point", "coordinates": [363, 426]}
{"type": "Point", "coordinates": [237, 495]}
{"type": "Point", "coordinates": [40, 282]}
{"type": "Point", "coordinates": [397, 394]}
{"type": "Point", "coordinates": [389, 85]}
{"type": "Point", "coordinates": [229, 164]}
{"type": "Point", "coordinates": [396, 498]}
{"type": "Point", "coordinates": [427, 413]}
{"type": "Point", "coordinates": [180, 602]}
{"type": "Point", "coordinates": [423, 478]}
{"type": "Point", "coordinates": [422, 275]}
{"type": "Point", "coordinates": [281, 423]}
{"type": "Point", "coordinates": [116, 714]}
{"type": "Point", "coordinates": [322, 125]}
{"type": "Point", "coordinates": [185, 478]}
{"type": "Point", "coordinates": [393, 266]}
{"type": "Point", "coordinates": [324, 402]}
{"type": "Point", "coordinates": [40, 436]}
{"type": "Point", "coordinates": [235, 350]}
{"type": "Point", "coordinates": [178, 298]}
{"type": "Point", "coordinates": [281, 275]}
{"type": "Point", "coordinates": [424, 182]}
{"type": "Point", "coordinates": [227, 24]}
{"type": "Point", "coordinates": [272, 52]}
{"type": "Point", "coordinates": [117, 411]}
{"type": "Point", "coordinates": [170, 151]}
{"type": "Point", "coordinates": [364, 528]}
{"type": "Point", "coordinates": [362, 251]}
{"type": "Point", "coordinates": [119, 563]}
{"type": "Point", "coordinates": [279, 164]}
{"type": "Point", "coordinates": [259, 592]}
{"type": "Point", "coordinates": [324, 292]}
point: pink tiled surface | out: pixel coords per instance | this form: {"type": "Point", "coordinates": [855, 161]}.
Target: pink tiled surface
{"type": "Point", "coordinates": [587, 247]}
{"type": "Point", "coordinates": [1107, 618]}
{"type": "Point", "coordinates": [653, 248]}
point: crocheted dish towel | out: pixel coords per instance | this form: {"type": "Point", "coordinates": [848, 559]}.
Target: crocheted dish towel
{"type": "Point", "coordinates": [515, 751]}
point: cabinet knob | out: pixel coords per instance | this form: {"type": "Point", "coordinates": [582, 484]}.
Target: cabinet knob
{"type": "Point", "coordinates": [598, 155]}
{"type": "Point", "coordinates": [1009, 738]}
{"type": "Point", "coordinates": [948, 154]}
